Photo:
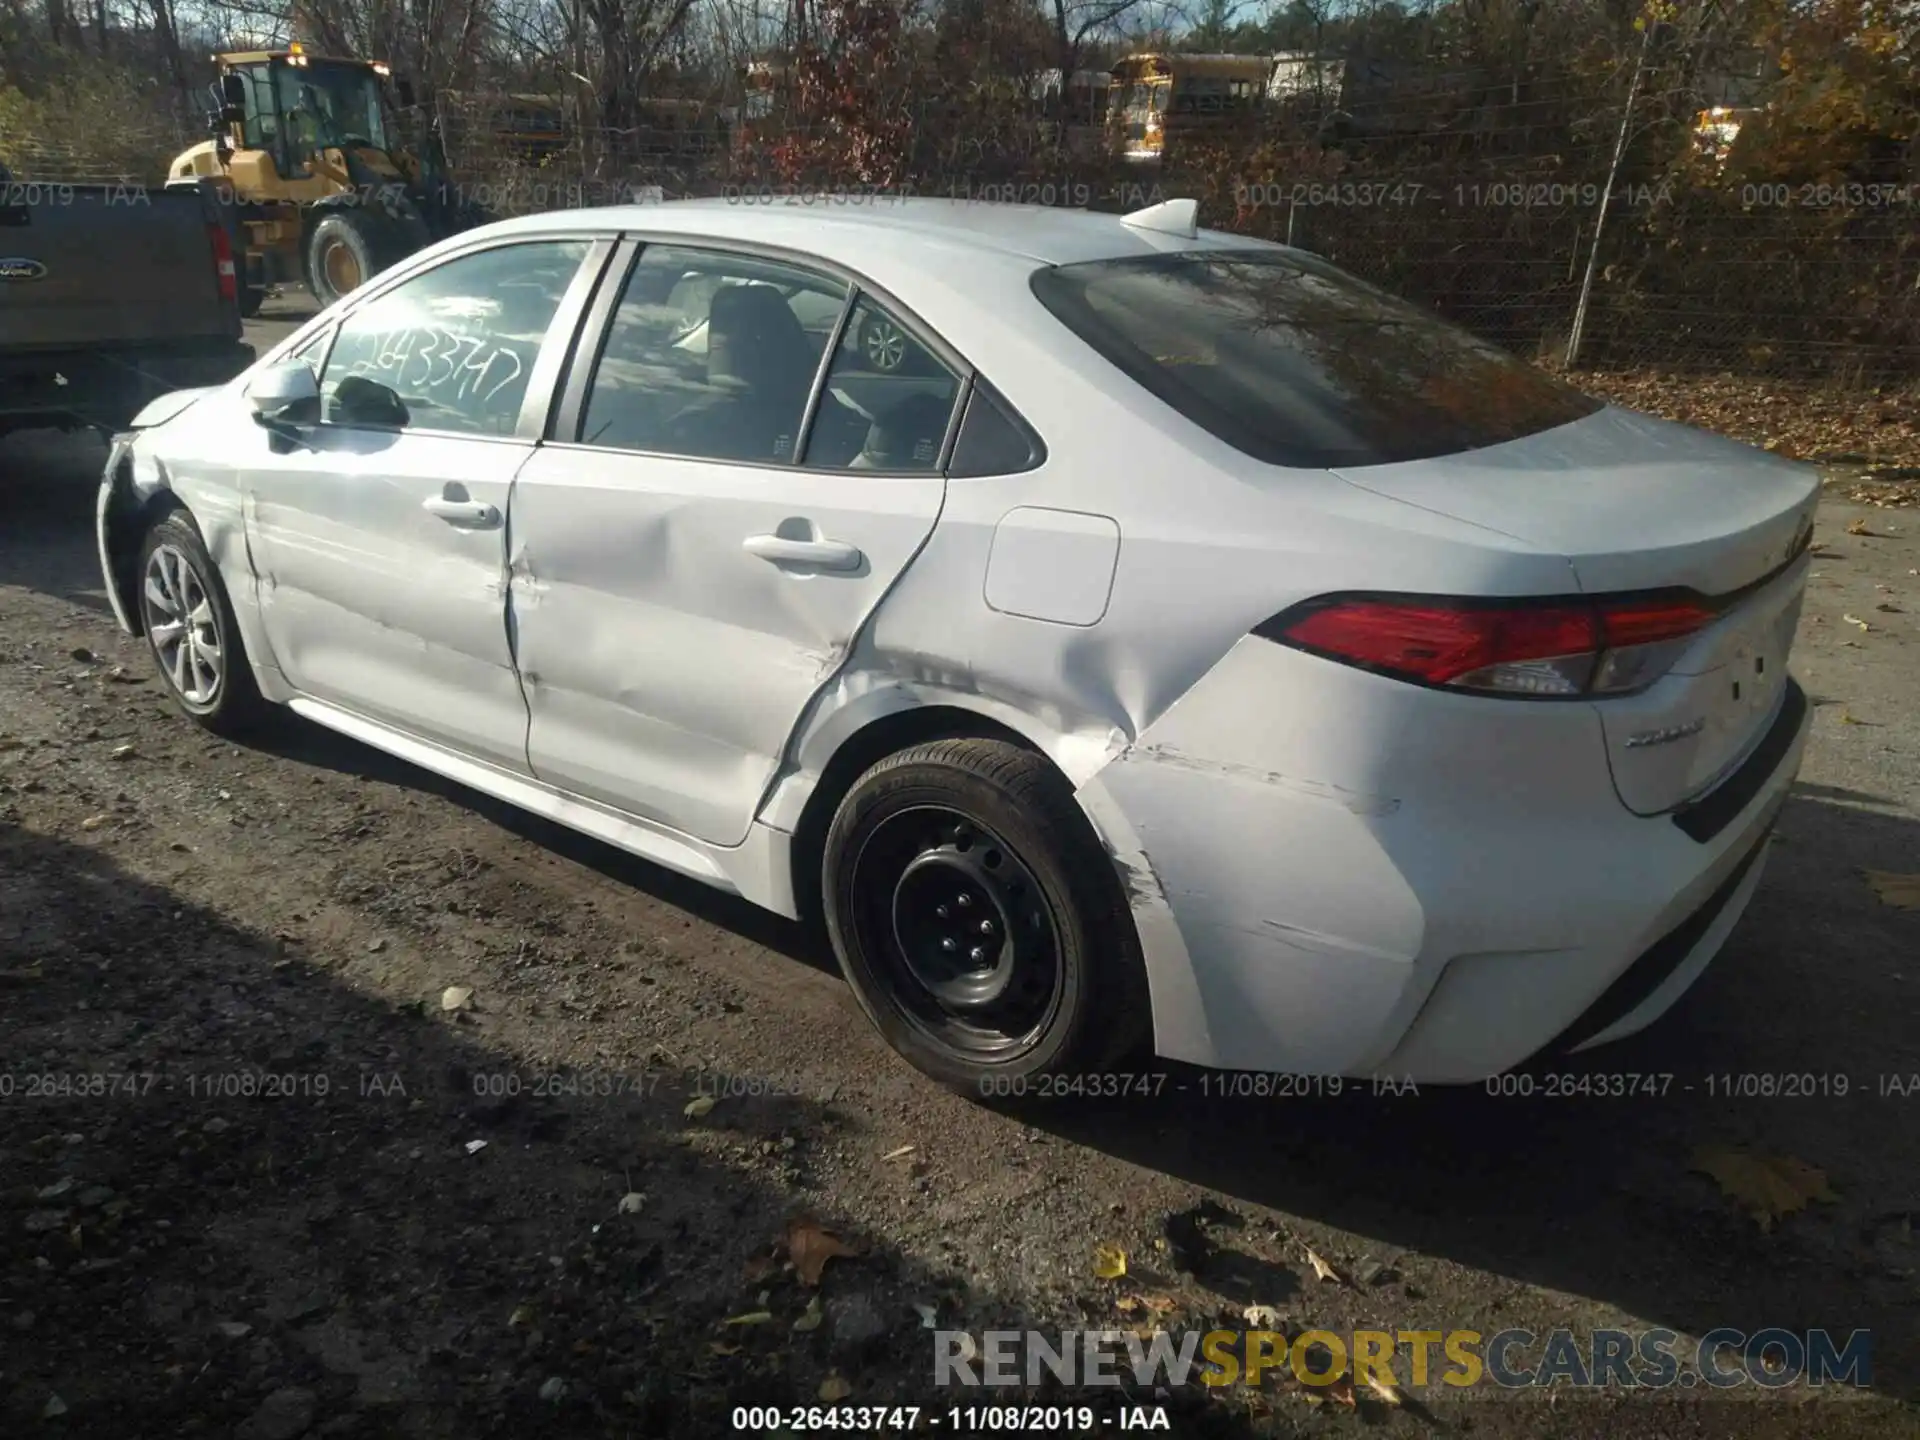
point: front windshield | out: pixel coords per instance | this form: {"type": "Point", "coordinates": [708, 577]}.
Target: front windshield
{"type": "Point", "coordinates": [331, 104]}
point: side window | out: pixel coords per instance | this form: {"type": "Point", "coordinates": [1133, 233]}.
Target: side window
{"type": "Point", "coordinates": [259, 131]}
{"type": "Point", "coordinates": [992, 440]}
{"type": "Point", "coordinates": [452, 349]}
{"type": "Point", "coordinates": [711, 356]}
{"type": "Point", "coordinates": [888, 400]}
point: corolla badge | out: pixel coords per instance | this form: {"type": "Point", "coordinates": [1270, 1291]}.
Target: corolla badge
{"type": "Point", "coordinates": [21, 267]}
{"type": "Point", "coordinates": [1667, 736]}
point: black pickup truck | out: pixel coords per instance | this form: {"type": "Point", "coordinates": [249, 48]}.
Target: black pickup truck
{"type": "Point", "coordinates": [109, 296]}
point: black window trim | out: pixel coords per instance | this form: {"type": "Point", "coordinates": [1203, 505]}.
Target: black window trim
{"type": "Point", "coordinates": [994, 396]}
{"type": "Point", "coordinates": [548, 363]}
{"type": "Point", "coordinates": [570, 413]}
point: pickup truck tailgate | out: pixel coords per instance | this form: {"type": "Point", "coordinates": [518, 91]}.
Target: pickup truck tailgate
{"type": "Point", "coordinates": [86, 266]}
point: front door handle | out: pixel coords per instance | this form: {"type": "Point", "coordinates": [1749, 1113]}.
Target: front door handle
{"type": "Point", "coordinates": [826, 554]}
{"type": "Point", "coordinates": [463, 512]}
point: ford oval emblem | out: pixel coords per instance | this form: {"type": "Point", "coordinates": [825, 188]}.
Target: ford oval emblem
{"type": "Point", "coordinates": [21, 267]}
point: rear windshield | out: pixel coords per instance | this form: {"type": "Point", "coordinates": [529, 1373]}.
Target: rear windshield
{"type": "Point", "coordinates": [1300, 364]}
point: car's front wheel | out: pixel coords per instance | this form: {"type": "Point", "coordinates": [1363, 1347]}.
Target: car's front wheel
{"type": "Point", "coordinates": [979, 924]}
{"type": "Point", "coordinates": [190, 629]}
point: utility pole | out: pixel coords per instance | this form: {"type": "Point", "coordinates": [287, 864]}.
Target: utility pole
{"type": "Point", "coordinates": [1606, 196]}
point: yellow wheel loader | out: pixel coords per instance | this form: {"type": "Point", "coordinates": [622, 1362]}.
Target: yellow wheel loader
{"type": "Point", "coordinates": [309, 177]}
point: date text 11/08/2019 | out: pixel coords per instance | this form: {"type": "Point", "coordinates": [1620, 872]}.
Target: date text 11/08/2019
{"type": "Point", "coordinates": [1004, 1420]}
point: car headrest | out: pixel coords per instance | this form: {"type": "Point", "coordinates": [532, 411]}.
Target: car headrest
{"type": "Point", "coordinates": [753, 336]}
{"type": "Point", "coordinates": [907, 435]}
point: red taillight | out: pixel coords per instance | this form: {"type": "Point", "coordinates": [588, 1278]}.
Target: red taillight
{"type": "Point", "coordinates": [1647, 622]}
{"type": "Point", "coordinates": [1524, 648]}
{"type": "Point", "coordinates": [223, 267]}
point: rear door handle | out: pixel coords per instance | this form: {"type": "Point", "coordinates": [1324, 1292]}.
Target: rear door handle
{"type": "Point", "coordinates": [464, 512]}
{"type": "Point", "coordinates": [827, 554]}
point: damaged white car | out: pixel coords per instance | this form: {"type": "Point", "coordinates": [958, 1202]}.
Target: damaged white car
{"type": "Point", "coordinates": [1124, 636]}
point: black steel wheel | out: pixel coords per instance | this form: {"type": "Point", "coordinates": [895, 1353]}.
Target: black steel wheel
{"type": "Point", "coordinates": [977, 920]}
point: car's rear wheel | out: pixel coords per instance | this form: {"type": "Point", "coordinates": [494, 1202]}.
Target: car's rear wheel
{"type": "Point", "coordinates": [977, 921]}
{"type": "Point", "coordinates": [190, 629]}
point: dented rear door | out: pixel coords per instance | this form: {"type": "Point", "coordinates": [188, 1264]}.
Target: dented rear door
{"type": "Point", "coordinates": [666, 648]}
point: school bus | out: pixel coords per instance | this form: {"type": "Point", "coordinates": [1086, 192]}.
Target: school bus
{"type": "Point", "coordinates": [1158, 99]}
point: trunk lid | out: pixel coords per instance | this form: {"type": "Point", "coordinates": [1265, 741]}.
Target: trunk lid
{"type": "Point", "coordinates": [1635, 503]}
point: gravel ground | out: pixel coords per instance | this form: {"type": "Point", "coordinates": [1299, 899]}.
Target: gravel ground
{"type": "Point", "coordinates": [501, 1219]}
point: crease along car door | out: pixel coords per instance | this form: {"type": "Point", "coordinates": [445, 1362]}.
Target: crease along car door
{"type": "Point", "coordinates": [681, 587]}
{"type": "Point", "coordinates": [378, 534]}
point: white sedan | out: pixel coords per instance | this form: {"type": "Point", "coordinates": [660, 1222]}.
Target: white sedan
{"type": "Point", "coordinates": [1172, 644]}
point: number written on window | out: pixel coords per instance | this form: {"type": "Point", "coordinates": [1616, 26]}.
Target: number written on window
{"type": "Point", "coordinates": [452, 349]}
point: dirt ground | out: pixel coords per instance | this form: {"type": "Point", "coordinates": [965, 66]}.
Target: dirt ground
{"type": "Point", "coordinates": [305, 1198]}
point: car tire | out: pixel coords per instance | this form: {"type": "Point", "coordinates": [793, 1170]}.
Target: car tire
{"type": "Point", "coordinates": [188, 621]}
{"type": "Point", "coordinates": [964, 840]}
{"type": "Point", "coordinates": [348, 247]}
{"type": "Point", "coordinates": [883, 344]}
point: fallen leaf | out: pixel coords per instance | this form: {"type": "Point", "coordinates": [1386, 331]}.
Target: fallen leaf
{"type": "Point", "coordinates": [1109, 1262]}
{"type": "Point", "coordinates": [719, 1347]}
{"type": "Point", "coordinates": [811, 1317]}
{"type": "Point", "coordinates": [1856, 620]}
{"type": "Point", "coordinates": [1387, 1394]}
{"type": "Point", "coordinates": [1768, 1187]}
{"type": "Point", "coordinates": [896, 1154]}
{"type": "Point", "coordinates": [23, 972]}
{"type": "Point", "coordinates": [631, 1202]}
{"type": "Point", "coordinates": [474, 1147]}
{"type": "Point", "coordinates": [834, 1387]}
{"type": "Point", "coordinates": [1846, 718]}
{"type": "Point", "coordinates": [698, 1106]}
{"type": "Point", "coordinates": [1341, 1390]}
{"type": "Point", "coordinates": [1262, 1317]}
{"type": "Point", "coordinates": [456, 997]}
{"type": "Point", "coordinates": [752, 1317]}
{"type": "Point", "coordinates": [123, 752]}
{"type": "Point", "coordinates": [1323, 1270]}
{"type": "Point", "coordinates": [1902, 892]}
{"type": "Point", "coordinates": [93, 822]}
{"type": "Point", "coordinates": [1859, 527]}
{"type": "Point", "coordinates": [929, 1317]}
{"type": "Point", "coordinates": [234, 1329]}
{"type": "Point", "coordinates": [1151, 1304]}
{"type": "Point", "coordinates": [810, 1248]}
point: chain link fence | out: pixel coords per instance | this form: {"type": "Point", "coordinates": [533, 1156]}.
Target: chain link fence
{"type": "Point", "coordinates": [1526, 219]}
{"type": "Point", "coordinates": [1526, 232]}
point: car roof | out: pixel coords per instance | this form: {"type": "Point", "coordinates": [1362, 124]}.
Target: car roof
{"type": "Point", "coordinates": [868, 230]}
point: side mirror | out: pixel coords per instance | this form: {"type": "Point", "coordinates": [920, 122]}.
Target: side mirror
{"type": "Point", "coordinates": [279, 388]}
{"type": "Point", "coordinates": [360, 401]}
{"type": "Point", "coordinates": [233, 90]}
